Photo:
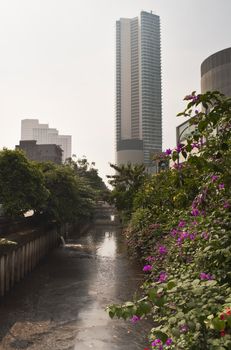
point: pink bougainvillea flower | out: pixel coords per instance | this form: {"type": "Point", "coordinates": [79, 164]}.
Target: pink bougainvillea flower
{"type": "Point", "coordinates": [168, 341]}
{"type": "Point", "coordinates": [135, 319]}
{"type": "Point", "coordinates": [214, 178]}
{"type": "Point", "coordinates": [205, 276]}
{"type": "Point", "coordinates": [182, 223]}
{"type": "Point", "coordinates": [162, 250]}
{"type": "Point", "coordinates": [195, 212]}
{"type": "Point", "coordinates": [174, 232]}
{"type": "Point", "coordinates": [179, 147]}
{"type": "Point", "coordinates": [221, 186]}
{"type": "Point", "coordinates": [156, 342]}
{"type": "Point", "coordinates": [168, 152]}
{"type": "Point", "coordinates": [163, 277]}
{"type": "Point", "coordinates": [147, 268]}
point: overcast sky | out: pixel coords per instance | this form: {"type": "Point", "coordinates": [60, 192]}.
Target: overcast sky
{"type": "Point", "coordinates": [57, 64]}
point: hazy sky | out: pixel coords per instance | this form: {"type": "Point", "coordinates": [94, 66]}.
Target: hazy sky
{"type": "Point", "coordinates": [57, 64]}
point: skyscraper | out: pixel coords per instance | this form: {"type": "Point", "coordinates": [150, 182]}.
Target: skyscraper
{"type": "Point", "coordinates": [138, 89]}
{"type": "Point", "coordinates": [32, 130]}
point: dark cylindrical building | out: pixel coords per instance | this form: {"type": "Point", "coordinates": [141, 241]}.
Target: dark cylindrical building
{"type": "Point", "coordinates": [216, 72]}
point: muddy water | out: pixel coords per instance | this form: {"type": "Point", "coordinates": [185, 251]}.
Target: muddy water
{"type": "Point", "coordinates": [61, 304]}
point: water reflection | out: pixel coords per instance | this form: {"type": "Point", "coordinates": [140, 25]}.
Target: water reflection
{"type": "Point", "coordinates": [107, 247]}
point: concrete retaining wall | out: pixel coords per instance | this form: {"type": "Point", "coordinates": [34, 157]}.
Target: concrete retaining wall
{"type": "Point", "coordinates": [20, 260]}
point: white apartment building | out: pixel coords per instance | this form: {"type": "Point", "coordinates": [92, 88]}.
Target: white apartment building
{"type": "Point", "coordinates": [32, 130]}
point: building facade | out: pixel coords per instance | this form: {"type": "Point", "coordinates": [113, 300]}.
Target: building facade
{"type": "Point", "coordinates": [32, 130]}
{"type": "Point", "coordinates": [216, 72]}
{"type": "Point", "coordinates": [41, 153]}
{"type": "Point", "coordinates": [138, 89]}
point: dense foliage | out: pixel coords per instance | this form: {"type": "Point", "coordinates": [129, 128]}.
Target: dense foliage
{"type": "Point", "coordinates": [22, 184]}
{"type": "Point", "coordinates": [58, 192]}
{"type": "Point", "coordinates": [181, 229]}
{"type": "Point", "coordinates": [126, 182]}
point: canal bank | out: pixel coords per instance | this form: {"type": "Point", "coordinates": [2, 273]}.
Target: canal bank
{"type": "Point", "coordinates": [61, 304]}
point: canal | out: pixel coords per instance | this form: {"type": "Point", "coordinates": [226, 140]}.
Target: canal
{"type": "Point", "coordinates": [60, 305]}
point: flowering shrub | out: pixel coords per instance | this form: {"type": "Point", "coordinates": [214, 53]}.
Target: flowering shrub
{"type": "Point", "coordinates": [181, 229]}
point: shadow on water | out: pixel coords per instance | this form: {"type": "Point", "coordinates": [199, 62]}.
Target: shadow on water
{"type": "Point", "coordinates": [61, 304]}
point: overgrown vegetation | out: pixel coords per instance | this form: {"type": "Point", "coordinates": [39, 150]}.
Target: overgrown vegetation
{"type": "Point", "coordinates": [64, 193]}
{"type": "Point", "coordinates": [180, 228]}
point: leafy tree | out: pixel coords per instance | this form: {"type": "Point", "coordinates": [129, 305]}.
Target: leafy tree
{"type": "Point", "coordinates": [70, 196]}
{"type": "Point", "coordinates": [87, 170]}
{"type": "Point", "coordinates": [22, 185]}
{"type": "Point", "coordinates": [126, 182]}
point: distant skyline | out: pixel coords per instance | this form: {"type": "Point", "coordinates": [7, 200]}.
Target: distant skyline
{"type": "Point", "coordinates": [57, 64]}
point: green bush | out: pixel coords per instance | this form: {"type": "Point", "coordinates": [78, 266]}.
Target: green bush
{"type": "Point", "coordinates": [183, 234]}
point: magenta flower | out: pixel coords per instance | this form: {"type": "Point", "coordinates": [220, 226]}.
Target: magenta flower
{"type": "Point", "coordinates": [192, 236]}
{"type": "Point", "coordinates": [195, 145]}
{"type": "Point", "coordinates": [221, 186]}
{"type": "Point", "coordinates": [174, 232]}
{"type": "Point", "coordinates": [168, 341]}
{"type": "Point", "coordinates": [168, 152]}
{"type": "Point", "coordinates": [214, 178]}
{"type": "Point", "coordinates": [182, 223]}
{"type": "Point", "coordinates": [195, 212]}
{"type": "Point", "coordinates": [163, 277]}
{"type": "Point", "coordinates": [226, 205]}
{"type": "Point", "coordinates": [156, 342]}
{"type": "Point", "coordinates": [162, 250]}
{"type": "Point", "coordinates": [147, 268]}
{"type": "Point", "coordinates": [205, 276]}
{"type": "Point", "coordinates": [135, 319]}
{"type": "Point", "coordinates": [179, 147]}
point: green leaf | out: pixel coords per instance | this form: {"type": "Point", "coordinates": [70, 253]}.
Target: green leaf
{"type": "Point", "coordinates": [161, 335]}
{"type": "Point", "coordinates": [171, 284]}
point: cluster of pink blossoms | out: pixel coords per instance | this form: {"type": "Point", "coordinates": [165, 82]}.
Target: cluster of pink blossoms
{"type": "Point", "coordinates": [147, 268]}
{"type": "Point", "coordinates": [135, 319]}
{"type": "Point", "coordinates": [206, 276]}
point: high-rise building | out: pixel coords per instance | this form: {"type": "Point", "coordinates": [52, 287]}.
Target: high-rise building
{"type": "Point", "coordinates": [138, 89]}
{"type": "Point", "coordinates": [32, 130]}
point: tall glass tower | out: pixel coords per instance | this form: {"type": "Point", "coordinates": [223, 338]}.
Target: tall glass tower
{"type": "Point", "coordinates": [138, 89]}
